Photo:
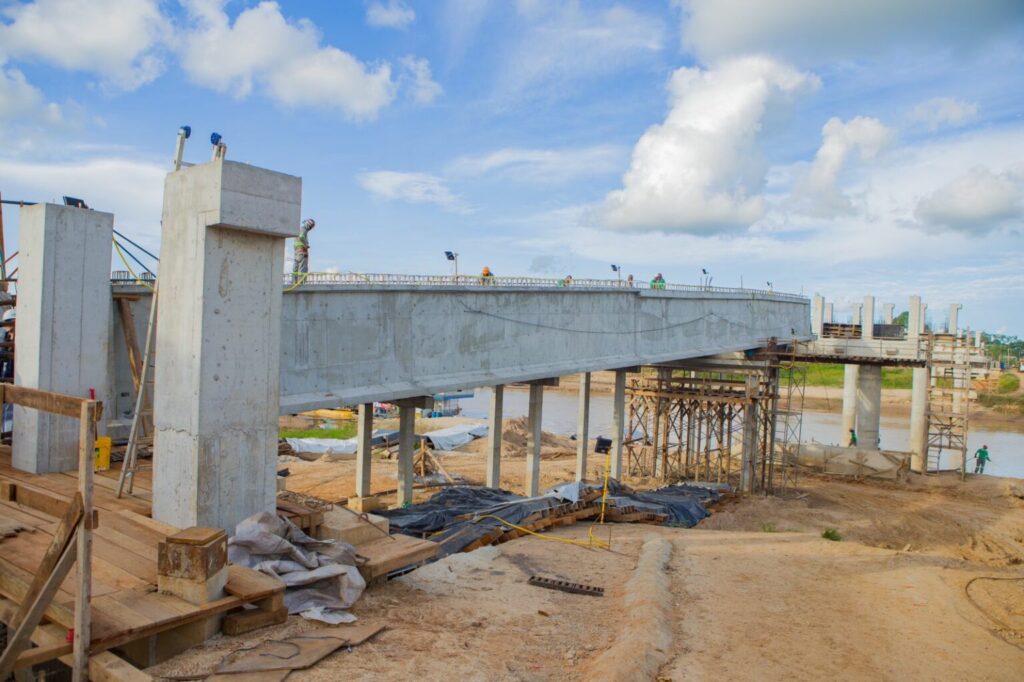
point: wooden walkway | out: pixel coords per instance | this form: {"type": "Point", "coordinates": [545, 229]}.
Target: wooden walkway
{"type": "Point", "coordinates": [125, 604]}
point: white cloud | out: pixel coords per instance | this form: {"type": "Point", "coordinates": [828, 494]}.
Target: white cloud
{"type": "Point", "coordinates": [540, 165]}
{"type": "Point", "coordinates": [942, 111]}
{"type": "Point", "coordinates": [119, 40]}
{"type": "Point", "coordinates": [389, 14]}
{"type": "Point", "coordinates": [864, 135]}
{"type": "Point", "coordinates": [568, 42]}
{"type": "Point", "coordinates": [413, 188]}
{"type": "Point", "coordinates": [18, 97]}
{"type": "Point", "coordinates": [101, 182]}
{"type": "Point", "coordinates": [286, 60]}
{"type": "Point", "coordinates": [421, 85]}
{"type": "Point", "coordinates": [700, 170]}
{"type": "Point", "coordinates": [809, 31]}
{"type": "Point", "coordinates": [974, 203]}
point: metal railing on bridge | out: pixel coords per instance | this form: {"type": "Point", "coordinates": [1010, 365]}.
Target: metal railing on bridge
{"type": "Point", "coordinates": [356, 279]}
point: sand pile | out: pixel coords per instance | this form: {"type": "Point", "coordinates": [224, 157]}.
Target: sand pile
{"type": "Point", "coordinates": [514, 436]}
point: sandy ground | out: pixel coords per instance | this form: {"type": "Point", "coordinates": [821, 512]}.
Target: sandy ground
{"type": "Point", "coordinates": [756, 593]}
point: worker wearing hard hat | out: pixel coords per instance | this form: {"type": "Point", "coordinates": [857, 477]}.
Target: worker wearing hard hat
{"type": "Point", "coordinates": [486, 276]}
{"type": "Point", "coordinates": [302, 247]}
{"type": "Point", "coordinates": [7, 364]}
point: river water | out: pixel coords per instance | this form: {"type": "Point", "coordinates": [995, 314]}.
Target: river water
{"type": "Point", "coordinates": [1005, 447]}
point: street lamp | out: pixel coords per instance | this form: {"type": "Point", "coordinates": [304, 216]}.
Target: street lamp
{"type": "Point", "coordinates": [454, 258]}
{"type": "Point", "coordinates": [617, 269]}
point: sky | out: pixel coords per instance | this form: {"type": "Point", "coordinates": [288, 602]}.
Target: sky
{"type": "Point", "coordinates": [842, 148]}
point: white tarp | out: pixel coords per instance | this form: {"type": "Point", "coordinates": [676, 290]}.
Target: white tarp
{"type": "Point", "coordinates": [323, 446]}
{"type": "Point", "coordinates": [451, 438]}
{"type": "Point", "coordinates": [321, 576]}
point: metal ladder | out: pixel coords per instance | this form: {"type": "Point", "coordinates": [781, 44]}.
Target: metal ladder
{"type": "Point", "coordinates": [130, 465]}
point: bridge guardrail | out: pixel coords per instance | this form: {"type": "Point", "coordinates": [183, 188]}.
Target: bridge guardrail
{"type": "Point", "coordinates": [312, 280]}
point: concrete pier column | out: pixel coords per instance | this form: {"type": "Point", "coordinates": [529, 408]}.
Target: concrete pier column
{"type": "Point", "coordinates": [748, 463]}
{"type": "Point", "coordinates": [533, 437]}
{"type": "Point", "coordinates": [364, 449]}
{"type": "Point", "coordinates": [914, 318]}
{"type": "Point", "coordinates": [855, 315]}
{"type": "Point", "coordinates": [869, 405]}
{"type": "Point", "coordinates": [849, 402]}
{"type": "Point", "coordinates": [829, 316]}
{"type": "Point", "coordinates": [977, 339]}
{"type": "Point", "coordinates": [867, 318]}
{"type": "Point", "coordinates": [583, 427]}
{"type": "Point", "coordinates": [888, 310]}
{"type": "Point", "coordinates": [954, 318]}
{"type": "Point", "coordinates": [918, 441]}
{"type": "Point", "coordinates": [924, 318]}
{"type": "Point", "coordinates": [406, 447]}
{"type": "Point", "coordinates": [63, 327]}
{"type": "Point", "coordinates": [618, 423]}
{"type": "Point", "coordinates": [493, 473]}
{"type": "Point", "coordinates": [218, 351]}
{"type": "Point", "coordinates": [817, 314]}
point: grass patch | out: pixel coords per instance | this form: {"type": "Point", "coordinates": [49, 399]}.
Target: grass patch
{"type": "Point", "coordinates": [831, 375]}
{"type": "Point", "coordinates": [1008, 383]}
{"type": "Point", "coordinates": [831, 534]}
{"type": "Point", "coordinates": [768, 527]}
{"type": "Point", "coordinates": [342, 432]}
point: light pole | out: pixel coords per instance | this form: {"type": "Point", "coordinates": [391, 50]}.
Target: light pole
{"type": "Point", "coordinates": [617, 269]}
{"type": "Point", "coordinates": [454, 258]}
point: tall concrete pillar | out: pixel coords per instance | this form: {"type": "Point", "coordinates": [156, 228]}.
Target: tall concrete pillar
{"type": "Point", "coordinates": [914, 325]}
{"type": "Point", "coordinates": [867, 318]}
{"type": "Point", "coordinates": [63, 326]}
{"type": "Point", "coordinates": [583, 427]}
{"type": "Point", "coordinates": [219, 346]}
{"type": "Point", "coordinates": [849, 401]}
{"type": "Point", "coordinates": [977, 339]}
{"type": "Point", "coordinates": [406, 446]}
{"type": "Point", "coordinates": [855, 316]}
{"type": "Point", "coordinates": [918, 441]}
{"type": "Point", "coordinates": [829, 317]}
{"type": "Point", "coordinates": [618, 423]}
{"type": "Point", "coordinates": [924, 317]}
{"type": "Point", "coordinates": [493, 473]}
{"type": "Point", "coordinates": [817, 314]}
{"type": "Point", "coordinates": [954, 318]}
{"type": "Point", "coordinates": [533, 438]}
{"type": "Point", "coordinates": [364, 449]}
{"type": "Point", "coordinates": [748, 472]}
{"type": "Point", "coordinates": [888, 310]}
{"type": "Point", "coordinates": [869, 405]}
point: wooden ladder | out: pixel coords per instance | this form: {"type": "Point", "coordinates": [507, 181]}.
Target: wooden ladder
{"type": "Point", "coordinates": [144, 381]}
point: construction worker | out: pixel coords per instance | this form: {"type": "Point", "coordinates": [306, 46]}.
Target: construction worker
{"type": "Point", "coordinates": [302, 247]}
{"type": "Point", "coordinates": [853, 439]}
{"type": "Point", "coordinates": [486, 276]}
{"type": "Point", "coordinates": [629, 281]}
{"type": "Point", "coordinates": [980, 457]}
{"type": "Point", "coordinates": [7, 364]}
{"type": "Point", "coordinates": [565, 282]}
{"type": "Point", "coordinates": [658, 282]}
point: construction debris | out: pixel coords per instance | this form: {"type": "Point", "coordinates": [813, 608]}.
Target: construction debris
{"type": "Point", "coordinates": [565, 586]}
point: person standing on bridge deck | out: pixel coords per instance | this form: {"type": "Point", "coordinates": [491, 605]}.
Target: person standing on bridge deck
{"type": "Point", "coordinates": [853, 439]}
{"type": "Point", "coordinates": [302, 247]}
{"type": "Point", "coordinates": [565, 282]}
{"type": "Point", "coordinates": [486, 276]}
{"type": "Point", "coordinates": [980, 457]}
{"type": "Point", "coordinates": [629, 281]}
{"type": "Point", "coordinates": [658, 282]}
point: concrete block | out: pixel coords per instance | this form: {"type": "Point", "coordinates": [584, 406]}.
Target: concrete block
{"type": "Point", "coordinates": [345, 526]}
{"type": "Point", "coordinates": [193, 554]}
{"type": "Point", "coordinates": [194, 591]}
{"type": "Point", "coordinates": [63, 328]}
{"type": "Point", "coordinates": [364, 504]}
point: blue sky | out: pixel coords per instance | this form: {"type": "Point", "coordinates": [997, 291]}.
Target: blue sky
{"type": "Point", "coordinates": [841, 148]}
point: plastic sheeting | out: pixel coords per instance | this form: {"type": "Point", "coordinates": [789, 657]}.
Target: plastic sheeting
{"type": "Point", "coordinates": [455, 436]}
{"type": "Point", "coordinates": [683, 505]}
{"type": "Point", "coordinates": [339, 446]}
{"type": "Point", "coordinates": [321, 575]}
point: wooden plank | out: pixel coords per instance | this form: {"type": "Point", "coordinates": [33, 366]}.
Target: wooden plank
{"type": "Point", "coordinates": [41, 654]}
{"type": "Point", "coordinates": [249, 585]}
{"type": "Point", "coordinates": [127, 525]}
{"type": "Point", "coordinates": [37, 604]}
{"type": "Point", "coordinates": [398, 551]}
{"type": "Point", "coordinates": [131, 341]}
{"type": "Point", "coordinates": [196, 536]}
{"type": "Point", "coordinates": [58, 546]}
{"type": "Point", "coordinates": [46, 401]}
{"type": "Point", "coordinates": [164, 529]}
{"type": "Point", "coordinates": [241, 622]}
{"type": "Point", "coordinates": [83, 596]}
